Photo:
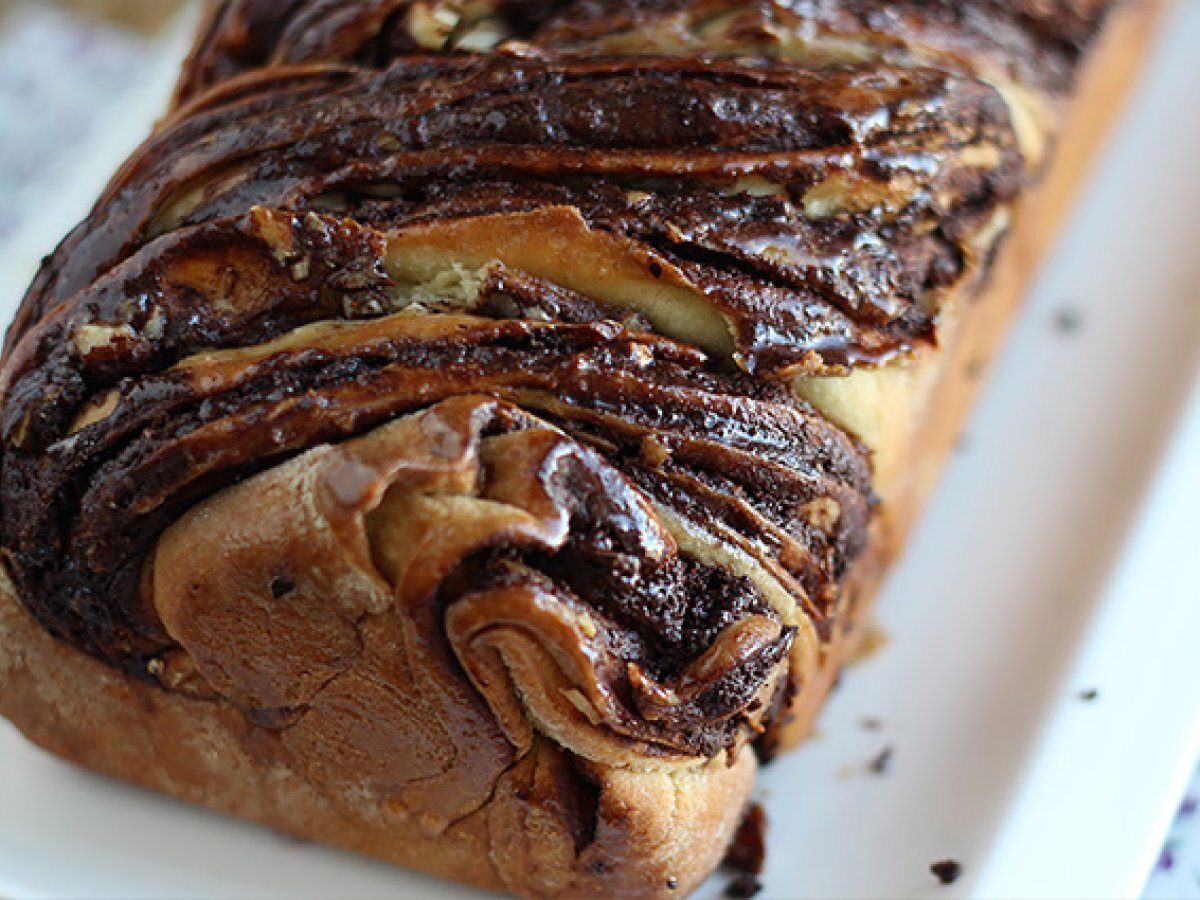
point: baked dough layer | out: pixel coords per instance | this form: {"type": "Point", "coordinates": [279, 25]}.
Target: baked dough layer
{"type": "Point", "coordinates": [543, 796]}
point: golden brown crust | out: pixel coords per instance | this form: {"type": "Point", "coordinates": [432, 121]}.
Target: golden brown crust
{"type": "Point", "coordinates": [651, 829]}
{"type": "Point", "coordinates": [353, 581]}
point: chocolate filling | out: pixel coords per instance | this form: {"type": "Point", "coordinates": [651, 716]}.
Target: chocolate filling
{"type": "Point", "coordinates": [816, 178]}
{"type": "Point", "coordinates": [876, 178]}
{"type": "Point", "coordinates": [1042, 42]}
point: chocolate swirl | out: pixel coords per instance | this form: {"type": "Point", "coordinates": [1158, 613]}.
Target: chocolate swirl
{"type": "Point", "coordinates": [534, 275]}
{"type": "Point", "coordinates": [222, 349]}
{"type": "Point", "coordinates": [1038, 42]}
{"type": "Point", "coordinates": [748, 191]}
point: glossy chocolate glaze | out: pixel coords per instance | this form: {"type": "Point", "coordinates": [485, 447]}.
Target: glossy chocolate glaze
{"type": "Point", "coordinates": [1040, 42]}
{"type": "Point", "coordinates": [94, 494]}
{"type": "Point", "coordinates": [819, 176]}
{"type": "Point", "coordinates": [655, 151]}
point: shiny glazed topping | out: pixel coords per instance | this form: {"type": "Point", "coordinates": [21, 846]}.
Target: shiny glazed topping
{"type": "Point", "coordinates": [586, 243]}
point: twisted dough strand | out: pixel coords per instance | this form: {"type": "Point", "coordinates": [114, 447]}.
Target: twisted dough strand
{"type": "Point", "coordinates": [420, 388]}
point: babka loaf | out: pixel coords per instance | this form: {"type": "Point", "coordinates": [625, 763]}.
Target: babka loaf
{"type": "Point", "coordinates": [471, 433]}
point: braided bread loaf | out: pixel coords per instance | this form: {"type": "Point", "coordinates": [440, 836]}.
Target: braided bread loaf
{"type": "Point", "coordinates": [470, 432]}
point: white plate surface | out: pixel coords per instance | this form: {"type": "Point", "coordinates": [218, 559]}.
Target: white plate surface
{"type": "Point", "coordinates": [1057, 557]}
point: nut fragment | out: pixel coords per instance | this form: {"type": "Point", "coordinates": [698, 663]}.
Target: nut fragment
{"type": "Point", "coordinates": [300, 269]}
{"type": "Point", "coordinates": [277, 233]}
{"type": "Point", "coordinates": [986, 156]}
{"type": "Point", "coordinates": [845, 192]}
{"type": "Point", "coordinates": [482, 36]}
{"type": "Point", "coordinates": [757, 186]}
{"type": "Point", "coordinates": [654, 452]}
{"type": "Point", "coordinates": [432, 24]}
{"type": "Point", "coordinates": [588, 625]}
{"type": "Point", "coordinates": [822, 513]}
{"type": "Point", "coordinates": [91, 337]}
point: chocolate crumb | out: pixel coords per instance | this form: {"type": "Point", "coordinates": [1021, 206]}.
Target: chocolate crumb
{"type": "Point", "coordinates": [743, 887]}
{"type": "Point", "coordinates": [1068, 321]}
{"type": "Point", "coordinates": [656, 270]}
{"type": "Point", "coordinates": [672, 883]}
{"type": "Point", "coordinates": [1089, 695]}
{"type": "Point", "coordinates": [281, 585]}
{"type": "Point", "coordinates": [947, 871]}
{"type": "Point", "coordinates": [748, 851]}
{"type": "Point", "coordinates": [881, 763]}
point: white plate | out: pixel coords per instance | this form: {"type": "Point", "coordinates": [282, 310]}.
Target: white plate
{"type": "Point", "coordinates": [1056, 558]}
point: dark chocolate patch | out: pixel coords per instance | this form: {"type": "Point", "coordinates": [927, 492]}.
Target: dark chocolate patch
{"type": "Point", "coordinates": [744, 887]}
{"type": "Point", "coordinates": [748, 852]}
{"type": "Point", "coordinates": [281, 586]}
{"type": "Point", "coordinates": [947, 871]}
